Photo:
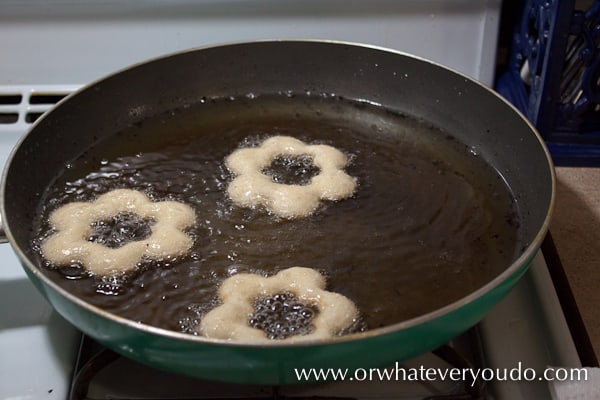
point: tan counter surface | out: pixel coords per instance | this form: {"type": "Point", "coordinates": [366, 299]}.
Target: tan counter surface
{"type": "Point", "coordinates": [575, 229]}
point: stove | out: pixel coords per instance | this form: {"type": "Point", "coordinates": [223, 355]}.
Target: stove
{"type": "Point", "coordinates": [57, 46]}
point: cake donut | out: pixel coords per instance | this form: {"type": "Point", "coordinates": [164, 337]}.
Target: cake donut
{"type": "Point", "coordinates": [251, 187]}
{"type": "Point", "coordinates": [73, 224]}
{"type": "Point", "coordinates": [244, 298]}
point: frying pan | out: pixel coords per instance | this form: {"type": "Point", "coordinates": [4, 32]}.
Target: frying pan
{"type": "Point", "coordinates": [473, 113]}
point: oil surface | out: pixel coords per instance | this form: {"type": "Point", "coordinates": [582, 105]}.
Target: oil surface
{"type": "Point", "coordinates": [428, 224]}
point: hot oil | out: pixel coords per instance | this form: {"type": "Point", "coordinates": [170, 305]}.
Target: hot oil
{"type": "Point", "coordinates": [429, 223]}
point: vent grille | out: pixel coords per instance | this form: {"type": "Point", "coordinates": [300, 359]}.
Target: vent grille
{"type": "Point", "coordinates": [20, 106]}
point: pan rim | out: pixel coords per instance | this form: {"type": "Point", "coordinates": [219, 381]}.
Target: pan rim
{"type": "Point", "coordinates": [520, 263]}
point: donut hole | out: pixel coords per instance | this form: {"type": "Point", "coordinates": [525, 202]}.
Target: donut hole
{"type": "Point", "coordinates": [282, 315]}
{"type": "Point", "coordinates": [292, 169]}
{"type": "Point", "coordinates": [120, 229]}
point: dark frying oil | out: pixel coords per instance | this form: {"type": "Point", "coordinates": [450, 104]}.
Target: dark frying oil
{"type": "Point", "coordinates": [429, 222]}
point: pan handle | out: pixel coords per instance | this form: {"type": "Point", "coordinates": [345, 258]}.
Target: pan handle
{"type": "Point", "coordinates": [3, 238]}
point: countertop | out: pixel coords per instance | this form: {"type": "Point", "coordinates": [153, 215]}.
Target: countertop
{"type": "Point", "coordinates": [575, 230]}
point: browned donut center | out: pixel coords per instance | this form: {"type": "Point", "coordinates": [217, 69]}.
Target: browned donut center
{"type": "Point", "coordinates": [282, 315]}
{"type": "Point", "coordinates": [118, 230]}
{"type": "Point", "coordinates": [292, 170]}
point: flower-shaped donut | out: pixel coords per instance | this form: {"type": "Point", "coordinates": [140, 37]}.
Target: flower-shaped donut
{"type": "Point", "coordinates": [251, 187]}
{"type": "Point", "coordinates": [239, 293]}
{"type": "Point", "coordinates": [73, 224]}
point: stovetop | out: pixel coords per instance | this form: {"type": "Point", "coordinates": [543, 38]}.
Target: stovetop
{"type": "Point", "coordinates": [49, 43]}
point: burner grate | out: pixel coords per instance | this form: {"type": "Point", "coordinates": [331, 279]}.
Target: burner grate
{"type": "Point", "coordinates": [96, 365]}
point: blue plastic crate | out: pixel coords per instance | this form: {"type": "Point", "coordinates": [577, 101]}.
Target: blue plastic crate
{"type": "Point", "coordinates": [553, 77]}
